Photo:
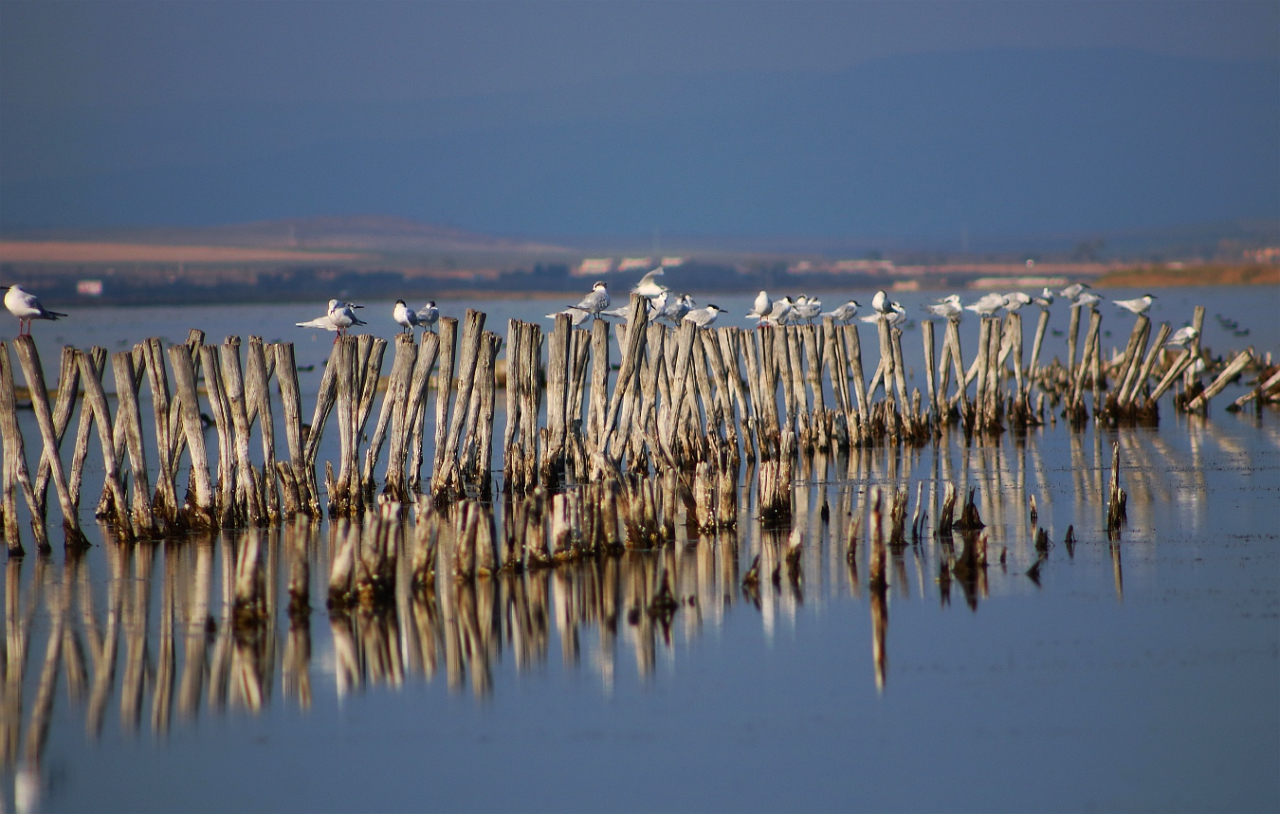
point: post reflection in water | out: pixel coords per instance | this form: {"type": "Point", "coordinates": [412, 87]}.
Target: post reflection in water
{"type": "Point", "coordinates": [213, 621]}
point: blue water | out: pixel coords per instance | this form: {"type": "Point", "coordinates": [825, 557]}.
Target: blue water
{"type": "Point", "coordinates": [1136, 675]}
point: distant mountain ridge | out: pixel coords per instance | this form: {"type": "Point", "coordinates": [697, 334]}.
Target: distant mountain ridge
{"type": "Point", "coordinates": [372, 233]}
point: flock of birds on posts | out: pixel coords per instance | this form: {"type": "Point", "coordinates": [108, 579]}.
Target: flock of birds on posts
{"type": "Point", "coordinates": [667, 306]}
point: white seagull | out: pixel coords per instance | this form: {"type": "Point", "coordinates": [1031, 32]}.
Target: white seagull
{"type": "Point", "coordinates": [761, 307]}
{"type": "Point", "coordinates": [988, 305]}
{"type": "Point", "coordinates": [1045, 299]}
{"type": "Point", "coordinates": [844, 314]}
{"type": "Point", "coordinates": [1014, 301]}
{"type": "Point", "coordinates": [596, 301]}
{"type": "Point", "coordinates": [340, 316]}
{"type": "Point", "coordinates": [1072, 292]}
{"type": "Point", "coordinates": [1137, 307]}
{"type": "Point", "coordinates": [428, 315]}
{"type": "Point", "coordinates": [648, 287]}
{"type": "Point", "coordinates": [26, 307]}
{"type": "Point", "coordinates": [778, 314]}
{"type": "Point", "coordinates": [1182, 336]}
{"type": "Point", "coordinates": [806, 308]}
{"type": "Point", "coordinates": [576, 317]}
{"type": "Point", "coordinates": [880, 302]}
{"type": "Point", "coordinates": [946, 309]}
{"type": "Point", "coordinates": [1087, 299]}
{"type": "Point", "coordinates": [896, 316]}
{"type": "Point", "coordinates": [404, 316]}
{"type": "Point", "coordinates": [702, 317]}
{"type": "Point", "coordinates": [676, 311]}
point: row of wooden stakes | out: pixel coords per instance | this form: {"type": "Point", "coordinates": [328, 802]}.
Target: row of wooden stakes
{"type": "Point", "coordinates": [679, 402]}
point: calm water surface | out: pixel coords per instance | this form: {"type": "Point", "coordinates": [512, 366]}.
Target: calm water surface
{"type": "Point", "coordinates": [1141, 674]}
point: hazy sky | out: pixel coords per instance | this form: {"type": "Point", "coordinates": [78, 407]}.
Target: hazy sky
{"type": "Point", "coordinates": [122, 52]}
{"type": "Point", "coordinates": [517, 116]}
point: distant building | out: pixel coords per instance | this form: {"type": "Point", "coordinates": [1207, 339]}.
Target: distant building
{"type": "Point", "coordinates": [1270, 254]}
{"type": "Point", "coordinates": [843, 267]}
{"type": "Point", "coordinates": [672, 262]}
{"type": "Point", "coordinates": [89, 288]}
{"type": "Point", "coordinates": [635, 264]}
{"type": "Point", "coordinates": [594, 266]}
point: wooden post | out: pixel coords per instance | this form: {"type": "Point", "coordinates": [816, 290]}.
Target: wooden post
{"type": "Point", "coordinates": [291, 414]}
{"type": "Point", "coordinates": [30, 361]}
{"type": "Point", "coordinates": [446, 483]}
{"type": "Point", "coordinates": [482, 436]}
{"type": "Point", "coordinates": [926, 333]}
{"type": "Point", "coordinates": [1041, 324]}
{"type": "Point", "coordinates": [217, 396]}
{"type": "Point", "coordinates": [248, 498]}
{"type": "Point", "coordinates": [325, 399]}
{"type": "Point", "coordinates": [68, 385]}
{"type": "Point", "coordinates": [1197, 322]}
{"type": "Point", "coordinates": [258, 395]}
{"type": "Point", "coordinates": [97, 360]}
{"type": "Point", "coordinates": [1144, 373]}
{"type": "Point", "coordinates": [515, 373]}
{"type": "Point", "coordinates": [340, 500]}
{"type": "Point", "coordinates": [15, 463]}
{"type": "Point", "coordinates": [128, 422]}
{"type": "Point", "coordinates": [444, 387]}
{"type": "Point", "coordinates": [184, 377]}
{"type": "Point", "coordinates": [1232, 370]}
{"type": "Point", "coordinates": [165, 501]}
{"type": "Point", "coordinates": [1073, 336]}
{"type": "Point", "coordinates": [393, 416]}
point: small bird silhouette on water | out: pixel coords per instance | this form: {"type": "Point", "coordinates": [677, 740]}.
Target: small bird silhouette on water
{"type": "Point", "coordinates": [26, 307]}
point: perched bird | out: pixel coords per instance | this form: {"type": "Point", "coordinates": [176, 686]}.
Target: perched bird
{"type": "Point", "coordinates": [702, 317]}
{"type": "Point", "coordinates": [761, 307]}
{"type": "Point", "coordinates": [1045, 299]}
{"type": "Point", "coordinates": [779, 313]}
{"type": "Point", "coordinates": [428, 315]}
{"type": "Point", "coordinates": [674, 310]}
{"type": "Point", "coordinates": [1071, 292]}
{"type": "Point", "coordinates": [988, 305]}
{"type": "Point", "coordinates": [1137, 307]}
{"type": "Point", "coordinates": [26, 307]}
{"type": "Point", "coordinates": [648, 287]}
{"type": "Point", "coordinates": [576, 317]}
{"type": "Point", "coordinates": [339, 317]}
{"type": "Point", "coordinates": [596, 301]}
{"type": "Point", "coordinates": [946, 309]}
{"type": "Point", "coordinates": [1183, 336]}
{"type": "Point", "coordinates": [880, 302]}
{"type": "Point", "coordinates": [806, 308]}
{"type": "Point", "coordinates": [404, 316]}
{"type": "Point", "coordinates": [843, 314]}
{"type": "Point", "coordinates": [1087, 299]}
{"type": "Point", "coordinates": [897, 315]}
{"type": "Point", "coordinates": [1014, 301]}
{"type": "Point", "coordinates": [621, 312]}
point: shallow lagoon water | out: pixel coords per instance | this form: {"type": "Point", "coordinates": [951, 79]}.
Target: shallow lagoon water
{"type": "Point", "coordinates": [1136, 675]}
